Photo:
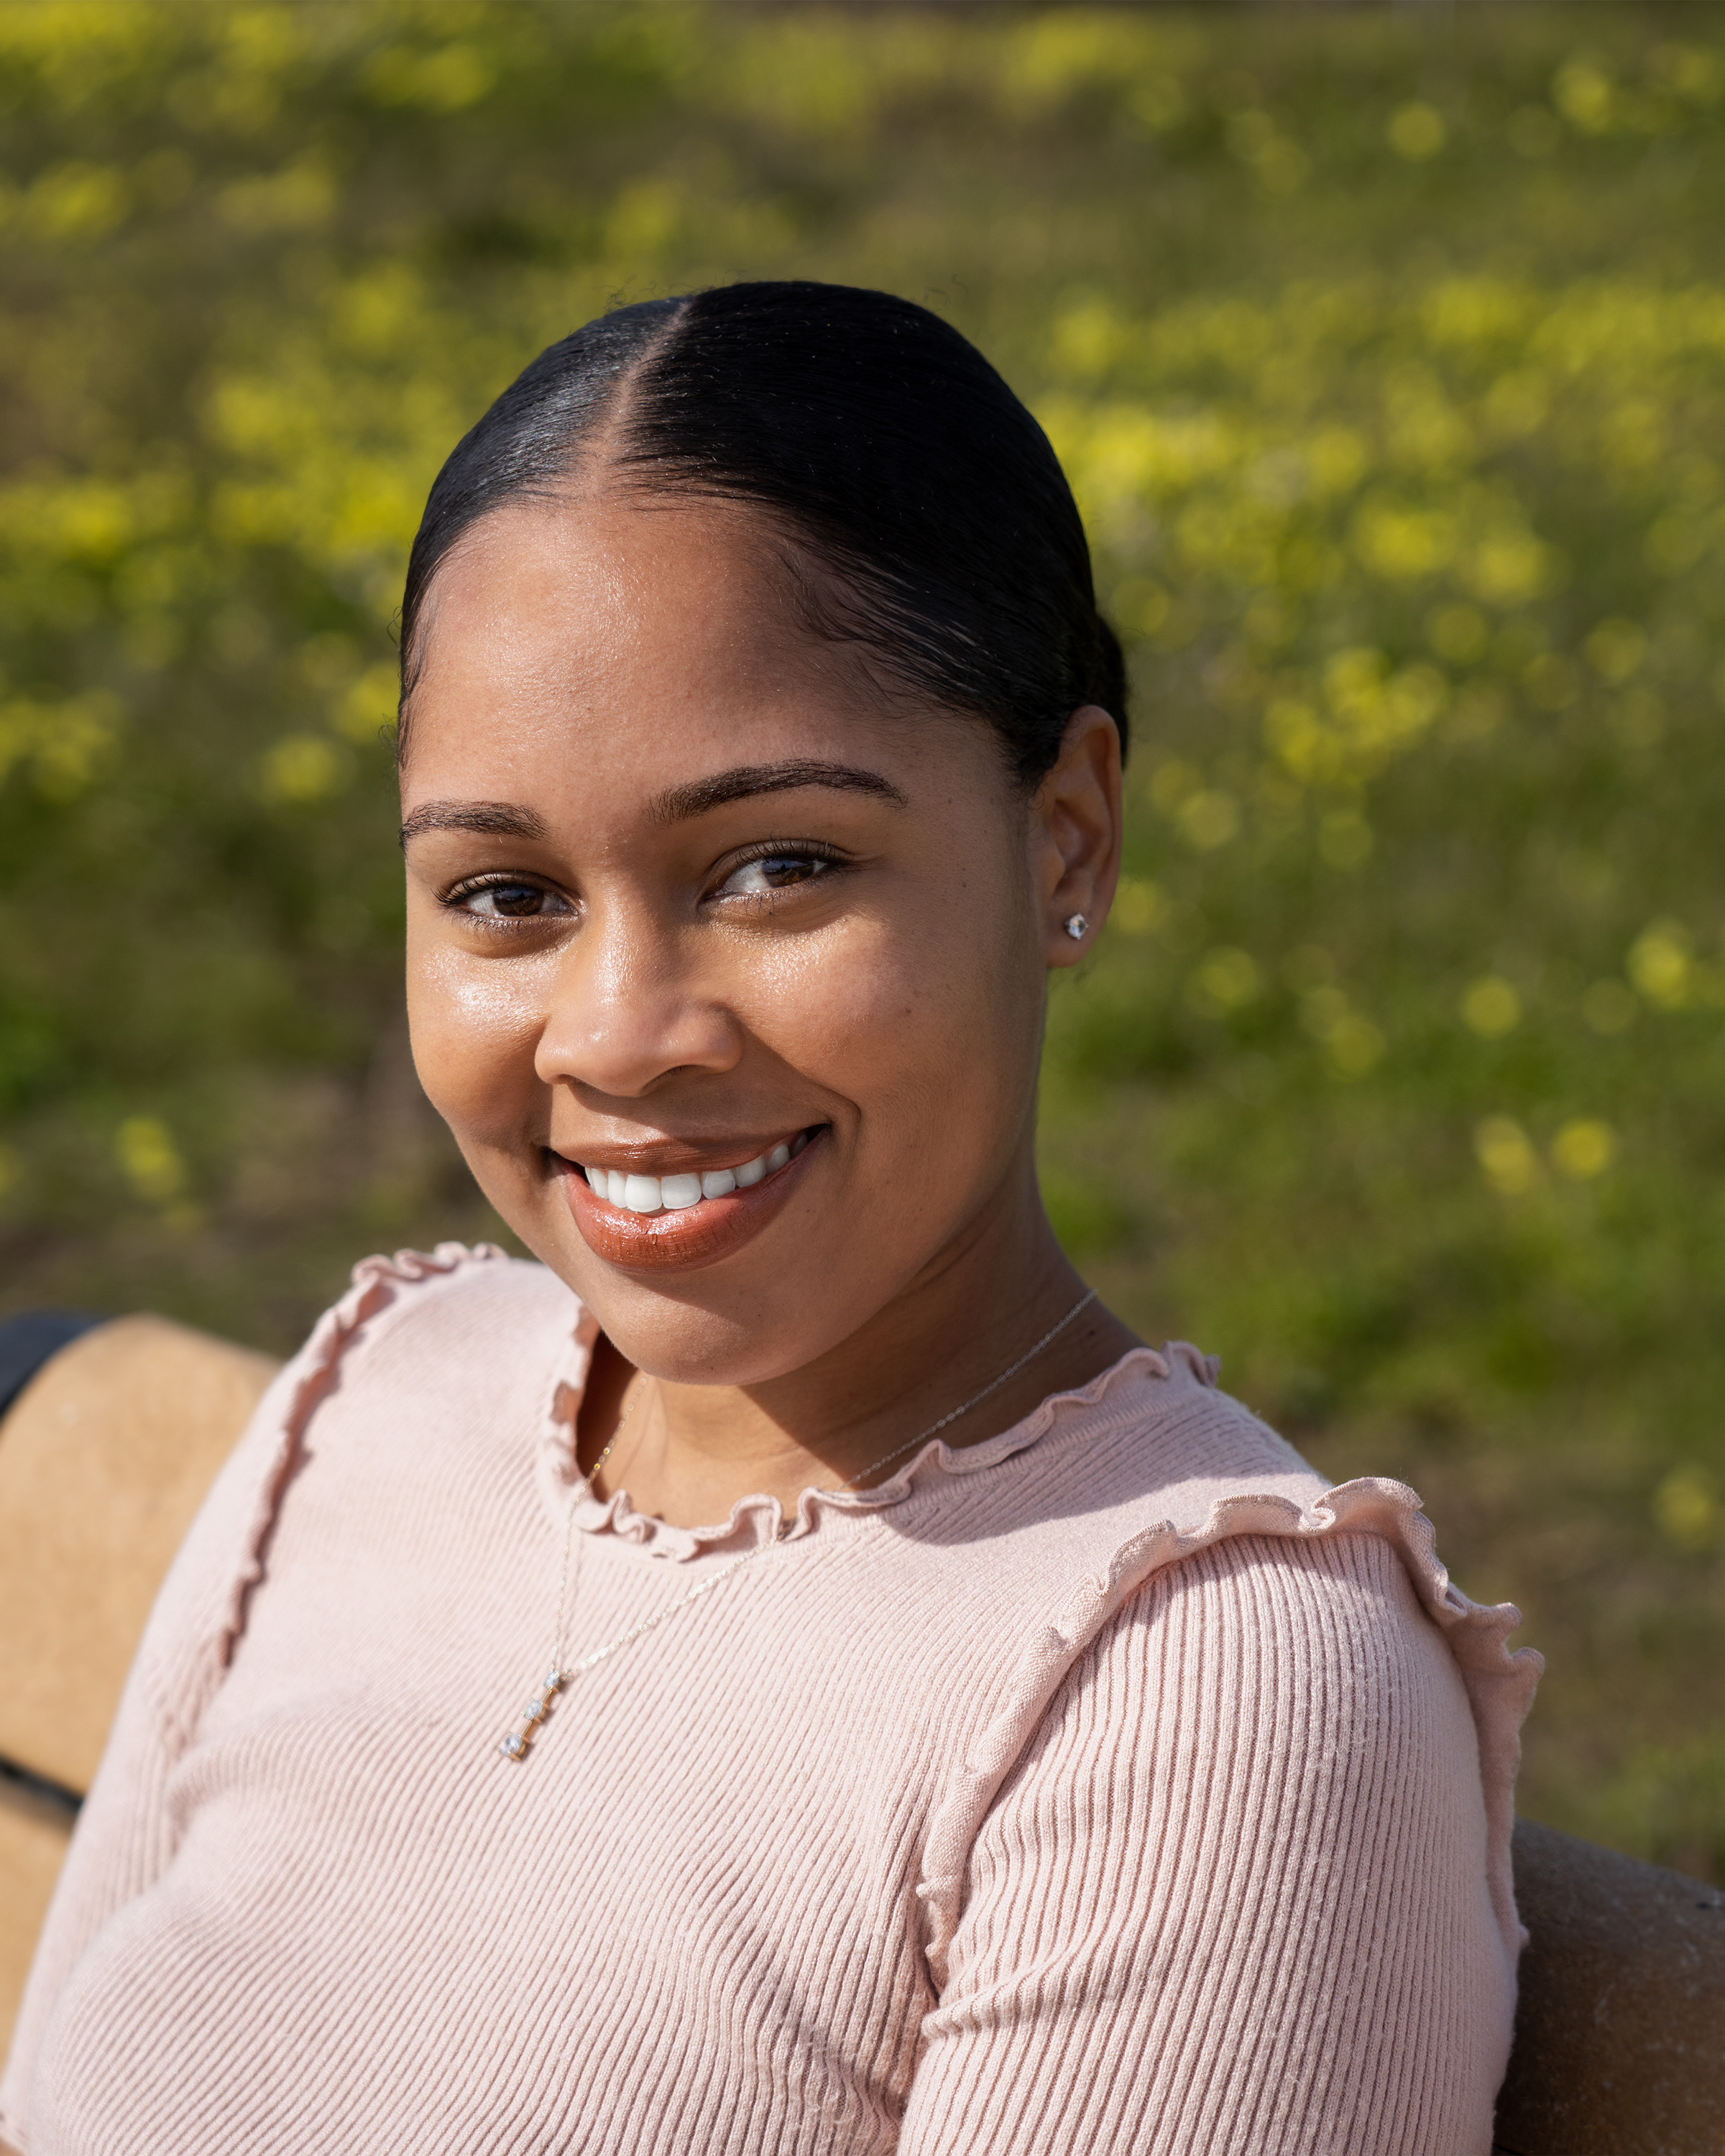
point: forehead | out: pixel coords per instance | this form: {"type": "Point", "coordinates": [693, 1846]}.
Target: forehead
{"type": "Point", "coordinates": [600, 626]}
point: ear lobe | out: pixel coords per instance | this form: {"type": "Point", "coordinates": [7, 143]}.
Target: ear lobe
{"type": "Point", "coordinates": [1079, 831]}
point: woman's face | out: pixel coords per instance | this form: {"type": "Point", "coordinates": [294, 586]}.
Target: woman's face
{"type": "Point", "coordinates": [699, 910]}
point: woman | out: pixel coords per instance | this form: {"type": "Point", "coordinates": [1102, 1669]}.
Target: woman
{"type": "Point", "coordinates": [789, 1671]}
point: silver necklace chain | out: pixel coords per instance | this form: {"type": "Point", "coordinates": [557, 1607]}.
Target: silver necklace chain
{"type": "Point", "coordinates": [519, 1742]}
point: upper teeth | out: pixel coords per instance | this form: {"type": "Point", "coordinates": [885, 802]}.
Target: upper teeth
{"type": "Point", "coordinates": [671, 1194]}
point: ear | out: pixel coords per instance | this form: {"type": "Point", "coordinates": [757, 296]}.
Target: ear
{"type": "Point", "coordinates": [1075, 834]}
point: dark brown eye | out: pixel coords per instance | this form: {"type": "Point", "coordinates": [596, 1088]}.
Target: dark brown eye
{"type": "Point", "coordinates": [516, 899]}
{"type": "Point", "coordinates": [511, 901]}
{"type": "Point", "coordinates": [774, 872]}
{"type": "Point", "coordinates": [787, 868]}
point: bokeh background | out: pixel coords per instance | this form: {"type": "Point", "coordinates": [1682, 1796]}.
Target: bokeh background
{"type": "Point", "coordinates": [1387, 352]}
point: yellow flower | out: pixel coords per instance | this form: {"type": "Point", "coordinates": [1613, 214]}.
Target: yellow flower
{"type": "Point", "coordinates": [1584, 1148]}
{"type": "Point", "coordinates": [303, 767]}
{"type": "Point", "coordinates": [149, 1159]}
{"type": "Point", "coordinates": [1505, 1152]}
{"type": "Point", "coordinates": [1492, 1008]}
{"type": "Point", "coordinates": [1225, 980]}
{"type": "Point", "coordinates": [1660, 965]}
{"type": "Point", "coordinates": [1416, 132]}
{"type": "Point", "coordinates": [1687, 1508]}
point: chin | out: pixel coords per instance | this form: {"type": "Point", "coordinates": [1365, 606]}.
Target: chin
{"type": "Point", "coordinates": [682, 1342]}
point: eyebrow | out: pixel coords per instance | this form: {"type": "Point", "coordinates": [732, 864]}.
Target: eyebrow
{"type": "Point", "coordinates": [495, 820]}
{"type": "Point", "coordinates": [505, 819]}
{"type": "Point", "coordinates": [748, 779]}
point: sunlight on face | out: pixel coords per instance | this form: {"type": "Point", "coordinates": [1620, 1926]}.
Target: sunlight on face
{"type": "Point", "coordinates": [725, 968]}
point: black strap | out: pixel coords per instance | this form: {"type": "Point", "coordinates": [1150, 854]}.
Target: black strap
{"type": "Point", "coordinates": [33, 1338]}
{"type": "Point", "coordinates": [54, 1796]}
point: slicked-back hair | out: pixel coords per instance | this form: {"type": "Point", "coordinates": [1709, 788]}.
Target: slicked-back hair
{"type": "Point", "coordinates": [868, 433]}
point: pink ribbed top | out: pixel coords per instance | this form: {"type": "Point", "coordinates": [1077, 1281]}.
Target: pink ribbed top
{"type": "Point", "coordinates": [1107, 1786]}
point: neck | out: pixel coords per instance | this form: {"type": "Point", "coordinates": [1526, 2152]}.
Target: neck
{"type": "Point", "coordinates": [687, 1453]}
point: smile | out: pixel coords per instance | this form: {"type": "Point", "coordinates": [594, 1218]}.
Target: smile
{"type": "Point", "coordinates": [677, 1193]}
{"type": "Point", "coordinates": [678, 1223]}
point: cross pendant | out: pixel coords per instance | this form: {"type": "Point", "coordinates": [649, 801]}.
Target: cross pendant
{"type": "Point", "coordinates": [520, 1739]}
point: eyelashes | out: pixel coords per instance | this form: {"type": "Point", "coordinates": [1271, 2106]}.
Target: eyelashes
{"type": "Point", "coordinates": [766, 871]}
{"type": "Point", "coordinates": [504, 900]}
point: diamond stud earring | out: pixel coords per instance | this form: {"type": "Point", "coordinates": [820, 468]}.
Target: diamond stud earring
{"type": "Point", "coordinates": [1077, 927]}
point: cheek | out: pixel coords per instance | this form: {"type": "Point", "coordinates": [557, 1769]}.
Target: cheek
{"type": "Point", "coordinates": [928, 1023]}
{"type": "Point", "coordinates": [476, 1024]}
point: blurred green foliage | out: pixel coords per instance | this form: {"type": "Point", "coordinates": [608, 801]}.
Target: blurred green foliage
{"type": "Point", "coordinates": [1387, 353]}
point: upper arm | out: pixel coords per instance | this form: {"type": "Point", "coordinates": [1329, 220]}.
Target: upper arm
{"type": "Point", "coordinates": [127, 1834]}
{"type": "Point", "coordinates": [1234, 1896]}
{"type": "Point", "coordinates": [124, 1840]}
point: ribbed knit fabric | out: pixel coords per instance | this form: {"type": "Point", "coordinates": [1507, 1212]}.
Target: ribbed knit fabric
{"type": "Point", "coordinates": [1106, 1786]}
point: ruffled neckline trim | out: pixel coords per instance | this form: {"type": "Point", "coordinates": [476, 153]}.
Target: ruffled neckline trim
{"type": "Point", "coordinates": [760, 1518]}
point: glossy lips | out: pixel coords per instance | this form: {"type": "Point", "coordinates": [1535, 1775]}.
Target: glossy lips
{"type": "Point", "coordinates": [656, 1224]}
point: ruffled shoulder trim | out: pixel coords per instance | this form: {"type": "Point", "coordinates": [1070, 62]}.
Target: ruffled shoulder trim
{"type": "Point", "coordinates": [276, 1452]}
{"type": "Point", "coordinates": [1500, 1684]}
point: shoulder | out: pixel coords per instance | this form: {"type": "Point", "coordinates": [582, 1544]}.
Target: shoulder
{"type": "Point", "coordinates": [476, 1298]}
{"type": "Point", "coordinates": [1178, 1437]}
{"type": "Point", "coordinates": [417, 1337]}
{"type": "Point", "coordinates": [460, 1348]}
{"type": "Point", "coordinates": [444, 1325]}
{"type": "Point", "coordinates": [1333, 1619]}
{"type": "Point", "coordinates": [1179, 1566]}
{"type": "Point", "coordinates": [1222, 1535]}
{"type": "Point", "coordinates": [1150, 1446]}
{"type": "Point", "coordinates": [1259, 1678]}
{"type": "Point", "coordinates": [1154, 1475]}
{"type": "Point", "coordinates": [1324, 1647]}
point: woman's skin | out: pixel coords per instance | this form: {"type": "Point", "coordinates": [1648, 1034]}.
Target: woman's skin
{"type": "Point", "coordinates": [685, 881]}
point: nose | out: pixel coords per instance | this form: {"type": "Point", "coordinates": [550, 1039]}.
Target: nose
{"type": "Point", "coordinates": [630, 1006]}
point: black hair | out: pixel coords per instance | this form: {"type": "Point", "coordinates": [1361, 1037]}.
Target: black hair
{"type": "Point", "coordinates": [879, 441]}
